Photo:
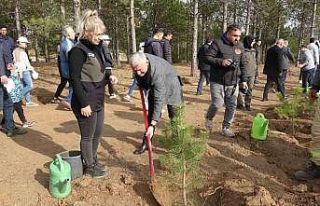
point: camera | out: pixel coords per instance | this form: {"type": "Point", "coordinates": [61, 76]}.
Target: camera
{"type": "Point", "coordinates": [234, 65]}
{"type": "Point", "coordinates": [243, 90]}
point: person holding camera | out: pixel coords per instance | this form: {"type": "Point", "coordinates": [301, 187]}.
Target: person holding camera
{"type": "Point", "coordinates": [249, 63]}
{"type": "Point", "coordinates": [225, 55]}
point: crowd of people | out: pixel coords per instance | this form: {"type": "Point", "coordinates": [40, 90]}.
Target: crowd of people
{"type": "Point", "coordinates": [85, 63]}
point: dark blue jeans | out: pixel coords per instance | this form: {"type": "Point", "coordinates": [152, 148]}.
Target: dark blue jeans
{"type": "Point", "coordinates": [306, 77]}
{"type": "Point", "coordinates": [7, 109]}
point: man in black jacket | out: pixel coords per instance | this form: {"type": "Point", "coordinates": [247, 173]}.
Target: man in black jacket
{"type": "Point", "coordinates": [166, 46]}
{"type": "Point", "coordinates": [227, 71]}
{"type": "Point", "coordinates": [202, 66]}
{"type": "Point", "coordinates": [273, 68]}
{"type": "Point", "coordinates": [153, 44]}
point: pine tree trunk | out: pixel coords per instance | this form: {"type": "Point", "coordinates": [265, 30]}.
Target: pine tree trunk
{"type": "Point", "coordinates": [98, 2]}
{"type": "Point", "coordinates": [248, 17]}
{"type": "Point", "coordinates": [195, 37]}
{"type": "Point", "coordinates": [36, 48]}
{"type": "Point", "coordinates": [314, 18]}
{"type": "Point", "coordinates": [302, 23]}
{"type": "Point", "coordinates": [17, 17]}
{"type": "Point", "coordinates": [225, 16]}
{"type": "Point", "coordinates": [46, 50]}
{"type": "Point", "coordinates": [76, 10]}
{"type": "Point", "coordinates": [132, 27]}
{"type": "Point", "coordinates": [63, 11]}
{"type": "Point", "coordinates": [116, 41]}
{"type": "Point", "coordinates": [235, 13]}
{"type": "Point", "coordinates": [185, 200]}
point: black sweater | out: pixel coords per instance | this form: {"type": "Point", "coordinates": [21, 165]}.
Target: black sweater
{"type": "Point", "coordinates": [86, 93]}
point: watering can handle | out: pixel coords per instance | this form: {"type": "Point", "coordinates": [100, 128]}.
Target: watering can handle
{"type": "Point", "coordinates": [60, 162]}
{"type": "Point", "coordinates": [260, 115]}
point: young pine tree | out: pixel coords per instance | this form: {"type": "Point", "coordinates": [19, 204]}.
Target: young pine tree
{"type": "Point", "coordinates": [185, 147]}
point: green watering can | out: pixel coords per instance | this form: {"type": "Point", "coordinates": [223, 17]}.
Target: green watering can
{"type": "Point", "coordinates": [259, 128]}
{"type": "Point", "coordinates": [60, 178]}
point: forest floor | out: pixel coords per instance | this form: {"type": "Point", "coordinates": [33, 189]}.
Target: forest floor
{"type": "Point", "coordinates": [239, 171]}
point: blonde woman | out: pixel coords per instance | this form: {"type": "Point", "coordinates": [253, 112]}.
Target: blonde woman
{"type": "Point", "coordinates": [89, 78]}
{"type": "Point", "coordinates": [21, 61]}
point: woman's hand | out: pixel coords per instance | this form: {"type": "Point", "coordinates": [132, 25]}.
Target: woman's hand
{"type": "Point", "coordinates": [86, 111]}
{"type": "Point", "coordinates": [113, 79]}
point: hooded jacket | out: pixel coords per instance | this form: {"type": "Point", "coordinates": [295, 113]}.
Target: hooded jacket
{"type": "Point", "coordinates": [153, 46]}
{"type": "Point", "coordinates": [249, 56]}
{"type": "Point", "coordinates": [222, 49]}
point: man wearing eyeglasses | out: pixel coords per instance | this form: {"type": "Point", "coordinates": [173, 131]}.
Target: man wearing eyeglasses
{"type": "Point", "coordinates": [225, 56]}
{"type": "Point", "coordinates": [160, 78]}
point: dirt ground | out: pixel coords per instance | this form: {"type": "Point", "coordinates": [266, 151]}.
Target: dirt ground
{"type": "Point", "coordinates": [238, 171]}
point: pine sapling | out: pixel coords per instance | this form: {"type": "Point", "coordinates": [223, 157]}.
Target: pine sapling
{"type": "Point", "coordinates": [290, 109]}
{"type": "Point", "coordinates": [185, 147]}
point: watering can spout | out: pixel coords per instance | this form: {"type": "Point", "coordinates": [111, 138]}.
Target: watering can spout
{"type": "Point", "coordinates": [64, 185]}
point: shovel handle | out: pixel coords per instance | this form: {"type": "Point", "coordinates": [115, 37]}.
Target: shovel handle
{"type": "Point", "coordinates": [148, 138]}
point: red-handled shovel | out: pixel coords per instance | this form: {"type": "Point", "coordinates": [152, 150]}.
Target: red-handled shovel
{"type": "Point", "coordinates": [145, 117]}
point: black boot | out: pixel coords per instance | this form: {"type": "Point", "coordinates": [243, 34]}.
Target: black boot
{"type": "Point", "coordinates": [94, 171]}
{"type": "Point", "coordinates": [310, 173]}
{"type": "Point", "coordinates": [143, 147]}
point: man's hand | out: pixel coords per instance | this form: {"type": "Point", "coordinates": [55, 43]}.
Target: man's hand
{"type": "Point", "coordinates": [10, 66]}
{"type": "Point", "coordinates": [113, 79]}
{"type": "Point", "coordinates": [313, 94]}
{"type": "Point", "coordinates": [226, 62]}
{"type": "Point", "coordinates": [4, 79]}
{"type": "Point", "coordinates": [86, 111]}
{"type": "Point", "coordinates": [150, 131]}
{"type": "Point", "coordinates": [244, 85]}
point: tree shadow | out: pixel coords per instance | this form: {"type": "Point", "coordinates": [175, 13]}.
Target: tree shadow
{"type": "Point", "coordinates": [39, 142]}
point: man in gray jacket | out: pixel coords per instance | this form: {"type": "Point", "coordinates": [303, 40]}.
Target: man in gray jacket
{"type": "Point", "coordinates": [160, 78]}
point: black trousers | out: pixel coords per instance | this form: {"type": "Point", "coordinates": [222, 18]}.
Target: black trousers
{"type": "Point", "coordinates": [61, 86]}
{"type": "Point", "coordinates": [306, 77]}
{"type": "Point", "coordinates": [278, 80]}
{"type": "Point", "coordinates": [18, 108]}
{"type": "Point", "coordinates": [90, 130]}
{"type": "Point", "coordinates": [171, 108]}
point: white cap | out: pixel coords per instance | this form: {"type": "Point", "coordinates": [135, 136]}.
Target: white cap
{"type": "Point", "coordinates": [105, 37]}
{"type": "Point", "coordinates": [23, 39]}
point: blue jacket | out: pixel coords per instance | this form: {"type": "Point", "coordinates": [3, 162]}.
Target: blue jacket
{"type": "Point", "coordinates": [7, 48]}
{"type": "Point", "coordinates": [65, 46]}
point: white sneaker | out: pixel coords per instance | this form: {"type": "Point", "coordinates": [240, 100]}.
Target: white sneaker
{"type": "Point", "coordinates": [112, 96]}
{"type": "Point", "coordinates": [208, 124]}
{"type": "Point", "coordinates": [31, 104]}
{"type": "Point", "coordinates": [127, 98]}
{"type": "Point", "coordinates": [228, 132]}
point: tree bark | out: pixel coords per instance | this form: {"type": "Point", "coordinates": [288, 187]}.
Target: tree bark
{"type": "Point", "coordinates": [314, 18]}
{"type": "Point", "coordinates": [248, 16]}
{"type": "Point", "coordinates": [302, 23]}
{"type": "Point", "coordinates": [98, 2]}
{"type": "Point", "coordinates": [63, 11]}
{"type": "Point", "coordinates": [132, 28]}
{"type": "Point", "coordinates": [225, 16]}
{"type": "Point", "coordinates": [36, 48]}
{"type": "Point", "coordinates": [76, 10]}
{"type": "Point", "coordinates": [195, 37]}
{"type": "Point", "coordinates": [17, 17]}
